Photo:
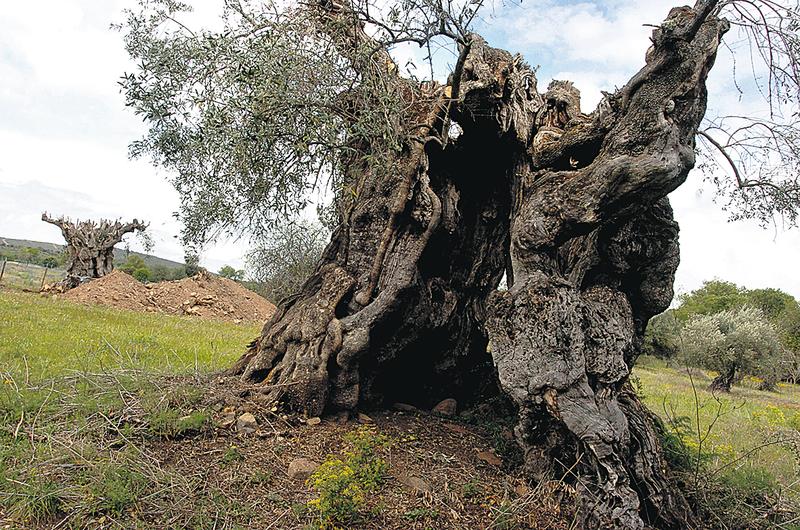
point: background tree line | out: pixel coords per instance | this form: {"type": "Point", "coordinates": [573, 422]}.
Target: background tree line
{"type": "Point", "coordinates": [733, 330]}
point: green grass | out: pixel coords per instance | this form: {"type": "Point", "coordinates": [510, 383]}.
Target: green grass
{"type": "Point", "coordinates": [28, 276]}
{"type": "Point", "coordinates": [747, 439]}
{"type": "Point", "coordinates": [46, 338]}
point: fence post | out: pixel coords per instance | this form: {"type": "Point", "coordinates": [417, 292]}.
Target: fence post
{"type": "Point", "coordinates": [43, 277]}
{"type": "Point", "coordinates": [3, 269]}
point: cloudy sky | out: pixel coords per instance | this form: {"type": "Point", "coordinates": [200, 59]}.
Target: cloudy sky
{"type": "Point", "coordinates": [64, 129]}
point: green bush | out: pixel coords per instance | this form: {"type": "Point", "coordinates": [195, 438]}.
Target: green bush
{"type": "Point", "coordinates": [342, 483]}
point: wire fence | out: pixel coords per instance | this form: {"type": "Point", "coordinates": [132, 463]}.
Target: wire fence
{"type": "Point", "coordinates": [27, 276]}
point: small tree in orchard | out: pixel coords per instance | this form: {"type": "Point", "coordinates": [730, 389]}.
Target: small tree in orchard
{"type": "Point", "coordinates": [90, 246]}
{"type": "Point", "coordinates": [662, 338]}
{"type": "Point", "coordinates": [136, 267]}
{"type": "Point", "coordinates": [733, 343]}
{"type": "Point", "coordinates": [226, 271]}
{"type": "Point", "coordinates": [444, 184]}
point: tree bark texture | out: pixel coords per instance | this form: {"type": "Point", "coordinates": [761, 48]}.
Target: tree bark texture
{"type": "Point", "coordinates": [573, 208]}
{"type": "Point", "coordinates": [90, 247]}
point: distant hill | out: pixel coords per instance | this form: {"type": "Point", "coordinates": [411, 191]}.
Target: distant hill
{"type": "Point", "coordinates": [120, 254]}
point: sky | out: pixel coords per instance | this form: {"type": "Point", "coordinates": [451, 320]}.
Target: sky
{"type": "Point", "coordinates": [64, 128]}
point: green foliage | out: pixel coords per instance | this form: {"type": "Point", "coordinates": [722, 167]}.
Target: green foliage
{"type": "Point", "coordinates": [471, 490]}
{"type": "Point", "coordinates": [232, 455]}
{"type": "Point", "coordinates": [50, 262]}
{"type": "Point", "coordinates": [47, 258]}
{"type": "Point", "coordinates": [135, 266]}
{"type": "Point", "coordinates": [116, 489]}
{"type": "Point", "coordinates": [679, 440]}
{"type": "Point", "coordinates": [342, 483]}
{"type": "Point", "coordinates": [232, 274]}
{"type": "Point", "coordinates": [778, 307]}
{"type": "Point", "coordinates": [662, 337]}
{"type": "Point", "coordinates": [191, 264]}
{"type": "Point", "coordinates": [750, 481]}
{"type": "Point", "coordinates": [276, 104]}
{"type": "Point", "coordinates": [39, 499]}
{"type": "Point", "coordinates": [173, 423]}
{"type": "Point", "coordinates": [735, 341]}
{"type": "Point", "coordinates": [283, 261]}
{"type": "Point", "coordinates": [713, 297]}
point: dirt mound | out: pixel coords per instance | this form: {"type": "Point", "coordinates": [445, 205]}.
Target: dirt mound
{"type": "Point", "coordinates": [117, 289]}
{"type": "Point", "coordinates": [202, 295]}
{"type": "Point", "coordinates": [210, 296]}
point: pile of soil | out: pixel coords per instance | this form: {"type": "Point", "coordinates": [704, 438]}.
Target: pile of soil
{"type": "Point", "coordinates": [202, 295]}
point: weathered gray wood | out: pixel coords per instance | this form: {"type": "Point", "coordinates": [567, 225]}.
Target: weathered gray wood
{"type": "Point", "coordinates": [90, 247]}
{"type": "Point", "coordinates": [574, 208]}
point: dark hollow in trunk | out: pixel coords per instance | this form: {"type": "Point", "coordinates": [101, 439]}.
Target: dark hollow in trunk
{"type": "Point", "coordinates": [573, 208]}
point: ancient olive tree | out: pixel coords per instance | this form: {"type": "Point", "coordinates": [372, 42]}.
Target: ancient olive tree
{"type": "Point", "coordinates": [90, 246]}
{"type": "Point", "coordinates": [441, 188]}
{"type": "Point", "coordinates": [734, 343]}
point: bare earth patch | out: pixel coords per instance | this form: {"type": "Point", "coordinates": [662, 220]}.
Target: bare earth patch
{"type": "Point", "coordinates": [175, 454]}
{"type": "Point", "coordinates": [202, 295]}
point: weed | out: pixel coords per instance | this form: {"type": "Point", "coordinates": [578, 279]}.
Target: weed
{"type": "Point", "coordinates": [232, 455]}
{"type": "Point", "coordinates": [342, 483]}
{"type": "Point", "coordinates": [471, 490]}
{"type": "Point", "coordinates": [171, 423]}
{"type": "Point", "coordinates": [504, 517]}
{"type": "Point", "coordinates": [36, 500]}
{"type": "Point", "coordinates": [117, 488]}
{"type": "Point", "coordinates": [260, 478]}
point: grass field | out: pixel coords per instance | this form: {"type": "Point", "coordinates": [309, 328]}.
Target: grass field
{"type": "Point", "coordinates": [47, 338]}
{"type": "Point", "coordinates": [27, 276]}
{"type": "Point", "coordinates": [747, 439]}
{"type": "Point", "coordinates": [69, 372]}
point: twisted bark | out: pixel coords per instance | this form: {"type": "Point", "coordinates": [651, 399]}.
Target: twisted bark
{"type": "Point", "coordinates": [573, 208]}
{"type": "Point", "coordinates": [594, 251]}
{"type": "Point", "coordinates": [90, 247]}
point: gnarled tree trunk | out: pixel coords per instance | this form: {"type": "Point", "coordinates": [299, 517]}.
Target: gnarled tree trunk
{"type": "Point", "coordinates": [90, 247]}
{"type": "Point", "coordinates": [573, 208]}
{"type": "Point", "coordinates": [724, 381]}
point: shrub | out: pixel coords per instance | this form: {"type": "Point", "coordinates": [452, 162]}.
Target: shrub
{"type": "Point", "coordinates": [342, 483]}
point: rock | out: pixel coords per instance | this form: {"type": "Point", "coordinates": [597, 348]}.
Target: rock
{"type": "Point", "coordinates": [446, 407]}
{"type": "Point", "coordinates": [415, 483]}
{"type": "Point", "coordinates": [314, 421]}
{"type": "Point", "coordinates": [363, 418]}
{"type": "Point", "coordinates": [301, 468]}
{"type": "Point", "coordinates": [246, 424]}
{"type": "Point", "coordinates": [490, 458]}
{"type": "Point", "coordinates": [342, 416]}
{"type": "Point", "coordinates": [404, 407]}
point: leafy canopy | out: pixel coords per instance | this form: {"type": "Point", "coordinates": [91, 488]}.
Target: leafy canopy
{"type": "Point", "coordinates": [288, 99]}
{"type": "Point", "coordinates": [739, 340]}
